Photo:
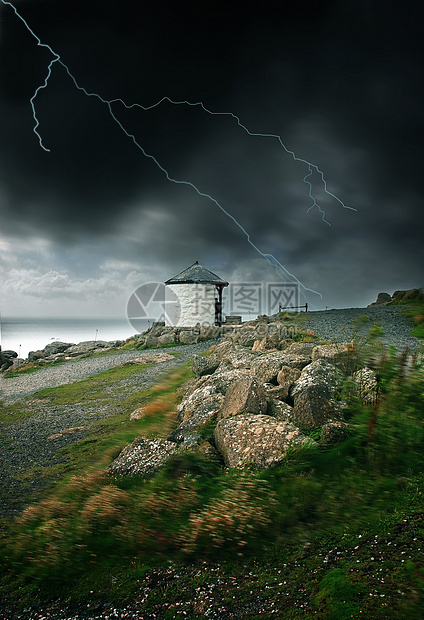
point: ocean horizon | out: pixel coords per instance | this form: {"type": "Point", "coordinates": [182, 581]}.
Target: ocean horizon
{"type": "Point", "coordinates": [30, 334]}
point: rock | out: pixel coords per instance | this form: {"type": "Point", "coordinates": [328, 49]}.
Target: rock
{"type": "Point", "coordinates": [266, 367]}
{"type": "Point", "coordinates": [314, 394]}
{"type": "Point", "coordinates": [333, 433]}
{"type": "Point", "coordinates": [237, 357]}
{"type": "Point", "coordinates": [342, 355]}
{"type": "Point", "coordinates": [204, 365]}
{"type": "Point", "coordinates": [220, 380]}
{"type": "Point", "coordinates": [189, 336]}
{"type": "Point", "coordinates": [35, 355]}
{"type": "Point", "coordinates": [137, 414]}
{"type": "Point", "coordinates": [222, 349]}
{"type": "Point", "coordinates": [157, 328]}
{"type": "Point", "coordinates": [279, 410]}
{"type": "Point", "coordinates": [301, 348]}
{"type": "Point", "coordinates": [382, 298]}
{"type": "Point", "coordinates": [17, 362]}
{"type": "Point", "coordinates": [151, 341]}
{"type": "Point", "coordinates": [297, 355]}
{"type": "Point", "coordinates": [257, 440]}
{"type": "Point", "coordinates": [202, 407]}
{"type": "Point", "coordinates": [247, 338]}
{"type": "Point", "coordinates": [6, 359]}
{"type": "Point", "coordinates": [56, 347]}
{"type": "Point", "coordinates": [88, 346]}
{"type": "Point", "coordinates": [210, 331]}
{"type": "Point", "coordinates": [286, 378]}
{"type": "Point", "coordinates": [414, 295]}
{"type": "Point", "coordinates": [366, 385]}
{"type": "Point", "coordinates": [269, 343]}
{"type": "Point", "coordinates": [278, 392]}
{"type": "Point", "coordinates": [168, 338]}
{"type": "Point", "coordinates": [244, 395]}
{"type": "Point", "coordinates": [143, 457]}
{"type": "Point", "coordinates": [201, 414]}
{"type": "Point", "coordinates": [411, 295]}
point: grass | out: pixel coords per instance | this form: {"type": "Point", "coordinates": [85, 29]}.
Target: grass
{"type": "Point", "coordinates": [417, 315]}
{"type": "Point", "coordinates": [334, 531]}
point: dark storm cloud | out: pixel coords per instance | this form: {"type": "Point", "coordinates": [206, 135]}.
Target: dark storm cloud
{"type": "Point", "coordinates": [340, 81]}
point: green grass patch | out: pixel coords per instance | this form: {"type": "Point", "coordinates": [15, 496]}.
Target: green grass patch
{"type": "Point", "coordinates": [416, 313]}
{"type": "Point", "coordinates": [92, 388]}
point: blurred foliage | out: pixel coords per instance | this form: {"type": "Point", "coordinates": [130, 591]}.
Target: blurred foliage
{"type": "Point", "coordinates": [196, 509]}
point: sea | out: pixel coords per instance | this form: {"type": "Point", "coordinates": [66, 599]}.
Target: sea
{"type": "Point", "coordinates": [30, 334]}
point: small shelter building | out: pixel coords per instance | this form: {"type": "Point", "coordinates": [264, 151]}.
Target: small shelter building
{"type": "Point", "coordinates": [194, 296]}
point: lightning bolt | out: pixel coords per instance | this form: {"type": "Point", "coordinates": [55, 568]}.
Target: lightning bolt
{"type": "Point", "coordinates": [280, 269]}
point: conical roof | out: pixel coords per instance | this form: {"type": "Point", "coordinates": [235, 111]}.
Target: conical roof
{"type": "Point", "coordinates": [196, 274]}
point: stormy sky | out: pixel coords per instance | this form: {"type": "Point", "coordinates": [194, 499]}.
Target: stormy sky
{"type": "Point", "coordinates": [87, 221]}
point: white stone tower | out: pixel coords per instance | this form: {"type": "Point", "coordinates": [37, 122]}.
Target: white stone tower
{"type": "Point", "coordinates": [199, 293]}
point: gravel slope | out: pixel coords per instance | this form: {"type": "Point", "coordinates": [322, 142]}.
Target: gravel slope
{"type": "Point", "coordinates": [337, 325]}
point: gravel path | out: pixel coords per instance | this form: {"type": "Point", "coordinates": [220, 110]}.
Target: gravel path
{"type": "Point", "coordinates": [13, 389]}
{"type": "Point", "coordinates": [34, 441]}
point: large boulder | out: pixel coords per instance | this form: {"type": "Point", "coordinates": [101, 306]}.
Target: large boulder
{"type": "Point", "coordinates": [258, 440]}
{"type": "Point", "coordinates": [202, 413]}
{"type": "Point", "coordinates": [56, 347]}
{"type": "Point", "coordinates": [286, 378]}
{"type": "Point", "coordinates": [87, 346]}
{"type": "Point", "coordinates": [244, 395]}
{"type": "Point", "coordinates": [188, 336]}
{"type": "Point", "coordinates": [266, 367]}
{"type": "Point", "coordinates": [237, 357]}
{"type": "Point", "coordinates": [6, 359]}
{"type": "Point", "coordinates": [33, 356]}
{"type": "Point", "coordinates": [167, 338]}
{"type": "Point", "coordinates": [202, 404]}
{"type": "Point", "coordinates": [217, 383]}
{"type": "Point", "coordinates": [276, 337]}
{"type": "Point", "coordinates": [297, 355]}
{"type": "Point", "coordinates": [314, 394]}
{"type": "Point", "coordinates": [342, 355]}
{"type": "Point", "coordinates": [204, 365]}
{"type": "Point", "coordinates": [143, 457]}
{"type": "Point", "coordinates": [280, 410]}
{"type": "Point", "coordinates": [333, 433]}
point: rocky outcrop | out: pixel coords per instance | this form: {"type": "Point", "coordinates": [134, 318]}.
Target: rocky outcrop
{"type": "Point", "coordinates": [157, 336]}
{"type": "Point", "coordinates": [60, 351]}
{"type": "Point", "coordinates": [412, 295]}
{"type": "Point", "coordinates": [382, 299]}
{"type": "Point", "coordinates": [262, 398]}
{"type": "Point", "coordinates": [258, 440]}
{"type": "Point", "coordinates": [160, 334]}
